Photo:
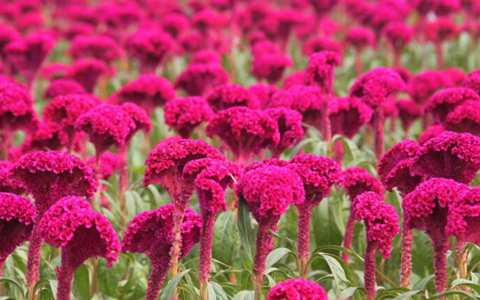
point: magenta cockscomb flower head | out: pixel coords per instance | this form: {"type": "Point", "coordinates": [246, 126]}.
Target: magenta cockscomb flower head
{"type": "Point", "coordinates": [321, 43]}
{"type": "Point", "coordinates": [428, 208]}
{"type": "Point", "coordinates": [409, 112]}
{"type": "Point", "coordinates": [151, 233]}
{"type": "Point", "coordinates": [270, 66]}
{"type": "Point", "coordinates": [457, 76]}
{"type": "Point", "coordinates": [449, 155]}
{"type": "Point", "coordinates": [230, 95]}
{"type": "Point", "coordinates": [394, 168]}
{"type": "Point", "coordinates": [295, 289]}
{"type": "Point", "coordinates": [62, 87]}
{"type": "Point", "coordinates": [360, 37]}
{"type": "Point", "coordinates": [289, 124]}
{"type": "Point", "coordinates": [318, 174]}
{"type": "Point", "coordinates": [347, 115]}
{"type": "Point", "coordinates": [47, 136]}
{"type": "Point", "coordinates": [99, 47]}
{"type": "Point", "coordinates": [150, 48]}
{"type": "Point", "coordinates": [205, 56]}
{"type": "Point", "coordinates": [356, 181]}
{"type": "Point", "coordinates": [54, 71]}
{"type": "Point", "coordinates": [381, 224]}
{"type": "Point", "coordinates": [198, 79]}
{"type": "Point", "coordinates": [295, 78]}
{"type": "Point", "coordinates": [49, 176]}
{"type": "Point", "coordinates": [424, 84]}
{"type": "Point", "coordinates": [439, 31]}
{"type": "Point", "coordinates": [430, 133]}
{"type": "Point", "coordinates": [66, 109]}
{"type": "Point", "coordinates": [24, 56]}
{"type": "Point", "coordinates": [472, 81]}
{"type": "Point", "coordinates": [464, 118]}
{"type": "Point", "coordinates": [285, 188]}
{"type": "Point", "coordinates": [8, 182]}
{"type": "Point", "coordinates": [446, 100]}
{"type": "Point", "coordinates": [109, 163]}
{"type": "Point", "coordinates": [374, 88]}
{"type": "Point", "coordinates": [264, 93]}
{"type": "Point", "coordinates": [185, 114]}
{"type": "Point", "coordinates": [16, 107]}
{"type": "Point", "coordinates": [87, 72]}
{"type": "Point", "coordinates": [139, 116]}
{"type": "Point", "coordinates": [7, 34]}
{"type": "Point", "coordinates": [106, 125]}
{"type": "Point", "coordinates": [398, 35]}
{"type": "Point", "coordinates": [175, 23]}
{"type": "Point", "coordinates": [245, 131]}
{"type": "Point", "coordinates": [462, 217]}
{"type": "Point", "coordinates": [72, 225]}
{"type": "Point", "coordinates": [148, 91]}
{"type": "Point", "coordinates": [320, 69]}
{"type": "Point", "coordinates": [17, 216]}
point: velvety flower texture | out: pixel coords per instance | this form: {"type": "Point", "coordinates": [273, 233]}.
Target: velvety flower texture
{"type": "Point", "coordinates": [360, 37]}
{"type": "Point", "coordinates": [72, 225]}
{"type": "Point", "coordinates": [197, 79]}
{"type": "Point", "coordinates": [139, 116]}
{"type": "Point", "coordinates": [9, 183]}
{"type": "Point", "coordinates": [151, 233]}
{"type": "Point", "coordinates": [96, 46]}
{"type": "Point", "coordinates": [270, 66]}
{"type": "Point", "coordinates": [16, 106]}
{"type": "Point", "coordinates": [87, 72]}
{"type": "Point", "coordinates": [347, 115]}
{"type": "Point", "coordinates": [148, 91]}
{"type": "Point", "coordinates": [446, 100]}
{"type": "Point", "coordinates": [465, 118]}
{"type": "Point", "coordinates": [264, 93]}
{"type": "Point", "coordinates": [430, 133]}
{"type": "Point", "coordinates": [473, 81]}
{"type": "Point", "coordinates": [320, 69]}
{"type": "Point", "coordinates": [449, 155]}
{"type": "Point", "coordinates": [17, 216]}
{"type": "Point", "coordinates": [62, 87]}
{"type": "Point", "coordinates": [426, 83]}
{"type": "Point", "coordinates": [289, 124]}
{"type": "Point", "coordinates": [245, 131]}
{"type": "Point", "coordinates": [149, 47]}
{"type": "Point", "coordinates": [409, 112]}
{"type": "Point", "coordinates": [321, 43]}
{"type": "Point", "coordinates": [185, 114]}
{"type": "Point", "coordinates": [46, 136]}
{"type": "Point", "coordinates": [230, 95]}
{"type": "Point", "coordinates": [463, 217]}
{"type": "Point", "coordinates": [297, 289]}
{"type": "Point", "coordinates": [356, 181]}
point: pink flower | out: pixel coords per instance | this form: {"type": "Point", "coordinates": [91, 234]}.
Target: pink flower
{"type": "Point", "coordinates": [426, 83]}
{"type": "Point", "coordinates": [295, 78]}
{"type": "Point", "coordinates": [409, 112]}
{"type": "Point", "coordinates": [347, 115]}
{"type": "Point", "coordinates": [449, 155]}
{"type": "Point", "coordinates": [62, 87]}
{"type": "Point", "coordinates": [148, 91]}
{"type": "Point", "coordinates": [151, 233]}
{"type": "Point", "coordinates": [72, 225]}
{"type": "Point", "coordinates": [245, 131]}
{"type": "Point", "coordinates": [99, 47]}
{"type": "Point", "coordinates": [444, 101]}
{"type": "Point", "coordinates": [87, 72]}
{"type": "Point", "coordinates": [398, 35]}
{"type": "Point", "coordinates": [296, 289]}
{"type": "Point", "coordinates": [320, 69]}
{"type": "Point", "coordinates": [473, 81]}
{"type": "Point", "coordinates": [47, 136]}
{"type": "Point", "coordinates": [16, 106]}
{"type": "Point", "coordinates": [185, 114]}
{"type": "Point", "coordinates": [139, 116]}
{"type": "Point", "coordinates": [205, 57]}
{"type": "Point", "coordinates": [360, 37]}
{"type": "Point", "coordinates": [8, 182]}
{"type": "Point", "coordinates": [264, 93]}
{"type": "Point", "coordinates": [463, 215]}
{"type": "Point", "coordinates": [230, 95]}
{"type": "Point", "coordinates": [7, 35]}
{"type": "Point", "coordinates": [175, 23]}
{"type": "Point", "coordinates": [441, 30]}
{"type": "Point", "coordinates": [198, 79]}
{"type": "Point", "coordinates": [289, 124]}
{"type": "Point", "coordinates": [270, 66]}
{"type": "Point", "coordinates": [430, 133]}
{"type": "Point", "coordinates": [17, 216]}
{"type": "Point", "coordinates": [321, 43]}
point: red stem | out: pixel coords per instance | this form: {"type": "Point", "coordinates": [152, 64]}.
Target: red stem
{"type": "Point", "coordinates": [379, 122]}
{"type": "Point", "coordinates": [264, 246]}
{"type": "Point", "coordinates": [208, 221]}
{"type": "Point", "coordinates": [439, 52]}
{"type": "Point", "coordinates": [347, 240]}
{"type": "Point", "coordinates": [303, 238]}
{"type": "Point", "coordinates": [440, 263]}
{"type": "Point", "coordinates": [406, 259]}
{"type": "Point", "coordinates": [326, 125]}
{"type": "Point", "coordinates": [158, 273]}
{"type": "Point", "coordinates": [33, 264]}
{"type": "Point", "coordinates": [64, 277]}
{"type": "Point", "coordinates": [369, 273]}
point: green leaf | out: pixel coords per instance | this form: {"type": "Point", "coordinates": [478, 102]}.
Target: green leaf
{"type": "Point", "coordinates": [336, 268]}
{"type": "Point", "coordinates": [407, 295]}
{"type": "Point", "coordinates": [169, 290]}
{"type": "Point", "coordinates": [276, 255]}
{"type": "Point", "coordinates": [216, 292]}
{"type": "Point", "coordinates": [81, 284]}
{"type": "Point", "coordinates": [247, 232]}
{"type": "Point", "coordinates": [244, 295]}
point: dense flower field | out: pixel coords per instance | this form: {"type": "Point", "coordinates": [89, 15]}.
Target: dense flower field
{"type": "Point", "coordinates": [237, 149]}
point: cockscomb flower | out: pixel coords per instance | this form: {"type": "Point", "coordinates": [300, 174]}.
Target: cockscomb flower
{"type": "Point", "coordinates": [295, 78]}
{"type": "Point", "coordinates": [49, 176]}
{"type": "Point", "coordinates": [409, 112]}
{"type": "Point", "coordinates": [205, 57]}
{"type": "Point", "coordinates": [398, 35]}
{"type": "Point", "coordinates": [175, 23]}
{"type": "Point", "coordinates": [289, 124]}
{"type": "Point", "coordinates": [318, 174]}
{"type": "Point", "coordinates": [185, 114]}
{"type": "Point", "coordinates": [87, 72]}
{"type": "Point", "coordinates": [472, 81]}
{"type": "Point", "coordinates": [149, 91]}
{"type": "Point", "coordinates": [449, 155]}
{"type": "Point", "coordinates": [245, 131]}
{"type": "Point", "coordinates": [95, 46]}
{"type": "Point", "coordinates": [198, 79]}
{"type": "Point", "coordinates": [446, 100]}
{"type": "Point", "coordinates": [62, 87]}
{"type": "Point", "coordinates": [270, 66]}
{"type": "Point", "coordinates": [360, 38]}
{"type": "Point", "coordinates": [8, 182]}
{"type": "Point", "coordinates": [457, 76]}
{"type": "Point", "coordinates": [424, 84]}
{"type": "Point", "coordinates": [165, 164]}
{"type": "Point", "coordinates": [24, 56]}
{"type": "Point", "coordinates": [230, 95]}
{"type": "Point", "coordinates": [285, 188]}
{"type": "Point", "coordinates": [428, 208]}
{"type": "Point", "coordinates": [54, 71]}
{"type": "Point", "coordinates": [439, 31]}
{"type": "Point", "coordinates": [296, 289]}
{"type": "Point", "coordinates": [47, 136]}
{"type": "Point", "coordinates": [321, 43]}
{"type": "Point", "coordinates": [109, 163]}
{"type": "Point", "coordinates": [465, 118]}
{"type": "Point", "coordinates": [394, 168]}
{"type": "Point", "coordinates": [66, 109]}
{"type": "Point", "coordinates": [347, 115]}
{"type": "Point", "coordinates": [430, 133]}
{"type": "Point", "coordinates": [320, 69]}
{"type": "Point", "coordinates": [17, 216]}
{"type": "Point", "coordinates": [149, 47]}
{"type": "Point", "coordinates": [139, 116]}
{"type": "Point", "coordinates": [374, 88]}
{"type": "Point", "coordinates": [211, 177]}
{"type": "Point", "coordinates": [7, 34]}
{"type": "Point", "coordinates": [72, 225]}
{"type": "Point", "coordinates": [381, 224]}
{"type": "Point", "coordinates": [264, 93]}
{"type": "Point", "coordinates": [463, 215]}
{"type": "Point", "coordinates": [151, 233]}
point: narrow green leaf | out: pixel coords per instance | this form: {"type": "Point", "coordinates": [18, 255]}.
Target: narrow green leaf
{"type": "Point", "coordinates": [81, 284]}
{"type": "Point", "coordinates": [169, 289]}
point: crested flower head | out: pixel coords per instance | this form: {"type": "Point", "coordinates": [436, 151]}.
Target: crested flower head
{"type": "Point", "coordinates": [320, 69]}
{"type": "Point", "coordinates": [109, 163]}
{"type": "Point", "coordinates": [264, 93]}
{"type": "Point", "coordinates": [289, 124]}
{"type": "Point", "coordinates": [296, 289]}
{"type": "Point", "coordinates": [97, 46]}
{"type": "Point", "coordinates": [360, 37]}
{"type": "Point", "coordinates": [17, 216]}
{"type": "Point", "coordinates": [318, 174]}
{"type": "Point", "coordinates": [87, 72]}
{"type": "Point", "coordinates": [472, 81]}
{"type": "Point", "coordinates": [268, 191]}
{"type": "Point", "coordinates": [398, 35]}
{"type": "Point", "coordinates": [230, 95]}
{"type": "Point", "coordinates": [347, 115]}
{"type": "Point", "coordinates": [357, 181]}
{"type": "Point", "coordinates": [81, 232]}
{"type": "Point", "coordinates": [185, 114]}
{"type": "Point", "coordinates": [440, 30]}
{"type": "Point", "coordinates": [148, 91]}
{"type": "Point", "coordinates": [51, 175]}
{"type": "Point", "coordinates": [449, 155]}
{"type": "Point", "coordinates": [8, 182]}
{"type": "Point", "coordinates": [321, 43]}
{"type": "Point", "coordinates": [46, 136]}
{"type": "Point", "coordinates": [446, 100]}
{"type": "Point", "coordinates": [430, 133]}
{"type": "Point", "coordinates": [245, 131]}
{"type": "Point", "coordinates": [198, 79]}
{"type": "Point", "coordinates": [463, 215]}
{"type": "Point", "coordinates": [295, 78]}
{"type": "Point", "coordinates": [149, 47]}
{"type": "Point", "coordinates": [62, 87]}
{"type": "Point", "coordinates": [270, 66]}
{"type": "Point", "coordinates": [465, 118]}
{"type": "Point", "coordinates": [381, 220]}
{"type": "Point", "coordinates": [426, 83]}
{"type": "Point", "coordinates": [408, 111]}
{"type": "Point", "coordinates": [139, 116]}
{"type": "Point", "coordinates": [16, 106]}
{"type": "Point", "coordinates": [376, 85]}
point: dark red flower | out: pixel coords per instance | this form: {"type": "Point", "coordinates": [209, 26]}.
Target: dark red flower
{"type": "Point", "coordinates": [185, 114]}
